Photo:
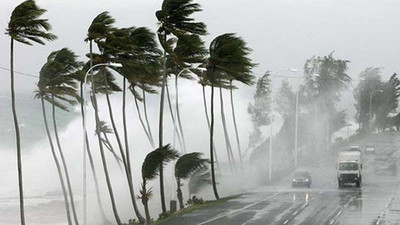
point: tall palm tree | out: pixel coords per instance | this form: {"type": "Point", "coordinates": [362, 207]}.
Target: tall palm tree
{"type": "Point", "coordinates": [27, 27]}
{"type": "Point", "coordinates": [151, 167]}
{"type": "Point", "coordinates": [185, 167]}
{"type": "Point", "coordinates": [228, 145]}
{"type": "Point", "coordinates": [228, 58]}
{"type": "Point", "coordinates": [174, 18]}
{"type": "Point", "coordinates": [100, 27]}
{"type": "Point", "coordinates": [61, 64]}
{"type": "Point", "coordinates": [57, 86]}
{"type": "Point", "coordinates": [136, 49]}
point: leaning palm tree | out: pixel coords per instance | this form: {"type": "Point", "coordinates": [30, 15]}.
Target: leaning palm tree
{"type": "Point", "coordinates": [174, 18]}
{"type": "Point", "coordinates": [60, 65]}
{"type": "Point", "coordinates": [151, 167]}
{"type": "Point", "coordinates": [185, 167]}
{"type": "Point", "coordinates": [228, 58]}
{"type": "Point", "coordinates": [25, 26]}
{"type": "Point", "coordinates": [136, 49]}
{"type": "Point", "coordinates": [97, 32]}
{"type": "Point", "coordinates": [56, 86]}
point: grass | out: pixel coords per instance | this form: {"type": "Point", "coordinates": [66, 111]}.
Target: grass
{"type": "Point", "coordinates": [192, 208]}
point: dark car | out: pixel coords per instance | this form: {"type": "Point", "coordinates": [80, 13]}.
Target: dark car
{"type": "Point", "coordinates": [301, 178]}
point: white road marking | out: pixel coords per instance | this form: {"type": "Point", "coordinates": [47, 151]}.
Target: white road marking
{"type": "Point", "coordinates": [286, 222]}
{"type": "Point", "coordinates": [237, 210]}
{"type": "Point", "coordinates": [348, 202]}
{"type": "Point", "coordinates": [295, 213]}
{"type": "Point", "coordinates": [377, 222]}
{"type": "Point", "coordinates": [332, 222]}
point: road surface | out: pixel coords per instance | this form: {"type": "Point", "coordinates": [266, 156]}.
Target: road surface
{"type": "Point", "coordinates": [376, 203]}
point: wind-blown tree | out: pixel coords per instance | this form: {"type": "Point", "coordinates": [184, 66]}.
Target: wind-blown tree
{"type": "Point", "coordinates": [323, 93]}
{"type": "Point", "coordinates": [259, 109]}
{"type": "Point", "coordinates": [174, 19]}
{"type": "Point", "coordinates": [228, 58]}
{"type": "Point", "coordinates": [57, 86]}
{"type": "Point", "coordinates": [98, 31]}
{"type": "Point", "coordinates": [185, 167]}
{"type": "Point", "coordinates": [151, 167]}
{"type": "Point", "coordinates": [370, 80]}
{"type": "Point", "coordinates": [62, 65]}
{"type": "Point", "coordinates": [27, 27]}
{"type": "Point", "coordinates": [136, 49]}
{"type": "Point", "coordinates": [388, 102]}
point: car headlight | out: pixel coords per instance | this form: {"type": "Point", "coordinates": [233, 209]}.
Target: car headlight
{"type": "Point", "coordinates": [306, 180]}
{"type": "Point", "coordinates": [294, 180]}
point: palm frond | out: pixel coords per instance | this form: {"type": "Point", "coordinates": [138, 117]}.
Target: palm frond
{"type": "Point", "coordinates": [188, 164]}
{"type": "Point", "coordinates": [25, 25]}
{"type": "Point", "coordinates": [155, 159]}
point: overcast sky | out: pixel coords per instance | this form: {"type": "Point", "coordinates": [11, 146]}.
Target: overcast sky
{"type": "Point", "coordinates": [282, 33]}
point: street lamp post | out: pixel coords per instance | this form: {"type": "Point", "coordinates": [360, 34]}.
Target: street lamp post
{"type": "Point", "coordinates": [370, 105]}
{"type": "Point", "coordinates": [85, 134]}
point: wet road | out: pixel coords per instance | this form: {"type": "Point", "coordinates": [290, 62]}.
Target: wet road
{"type": "Point", "coordinates": [376, 202]}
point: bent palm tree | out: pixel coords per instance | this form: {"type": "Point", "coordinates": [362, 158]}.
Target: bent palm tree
{"type": "Point", "coordinates": [61, 64]}
{"type": "Point", "coordinates": [98, 31]}
{"type": "Point", "coordinates": [151, 167]}
{"type": "Point", "coordinates": [185, 167]}
{"type": "Point", "coordinates": [174, 18]}
{"type": "Point", "coordinates": [25, 26]}
{"type": "Point", "coordinates": [57, 86]}
{"type": "Point", "coordinates": [228, 58]}
{"type": "Point", "coordinates": [136, 50]}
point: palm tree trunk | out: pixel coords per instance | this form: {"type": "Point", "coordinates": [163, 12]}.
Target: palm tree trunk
{"type": "Point", "coordinates": [208, 122]}
{"type": "Point", "coordinates": [227, 141]}
{"type": "Point", "coordinates": [214, 183]}
{"type": "Point", "coordinates": [96, 182]}
{"type": "Point", "coordinates": [64, 164]}
{"type": "Point", "coordinates": [235, 125]}
{"type": "Point", "coordinates": [124, 158]}
{"type": "Point", "coordinates": [103, 158]}
{"type": "Point", "coordinates": [145, 116]}
{"type": "Point", "coordinates": [53, 152]}
{"type": "Point", "coordinates": [145, 201]}
{"type": "Point", "coordinates": [160, 127]}
{"type": "Point", "coordinates": [179, 193]}
{"type": "Point", "coordinates": [128, 159]}
{"type": "Point", "coordinates": [17, 137]}
{"type": "Point", "coordinates": [142, 122]}
{"type": "Point", "coordinates": [178, 114]}
{"type": "Point", "coordinates": [173, 120]}
{"type": "Point", "coordinates": [111, 149]}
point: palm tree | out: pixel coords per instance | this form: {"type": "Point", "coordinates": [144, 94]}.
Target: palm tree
{"type": "Point", "coordinates": [151, 167]}
{"type": "Point", "coordinates": [56, 85]}
{"type": "Point", "coordinates": [228, 58]}
{"type": "Point", "coordinates": [25, 26]}
{"type": "Point", "coordinates": [185, 167]}
{"type": "Point", "coordinates": [174, 18]}
{"type": "Point", "coordinates": [98, 31]}
{"type": "Point", "coordinates": [137, 50]}
{"type": "Point", "coordinates": [61, 64]}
